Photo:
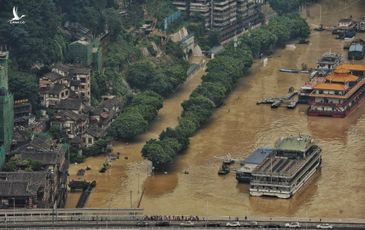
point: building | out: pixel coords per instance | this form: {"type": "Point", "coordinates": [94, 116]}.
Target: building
{"type": "Point", "coordinates": [339, 95]}
{"type": "Point", "coordinates": [25, 190]}
{"type": "Point", "coordinates": [63, 82]}
{"type": "Point", "coordinates": [44, 188]}
{"type": "Point", "coordinates": [6, 109]}
{"type": "Point", "coordinates": [228, 17]}
{"type": "Point", "coordinates": [73, 124]}
{"type": "Point", "coordinates": [22, 112]}
{"type": "Point", "coordinates": [101, 118]}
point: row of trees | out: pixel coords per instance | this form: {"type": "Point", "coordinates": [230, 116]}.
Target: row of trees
{"type": "Point", "coordinates": [223, 74]}
{"type": "Point", "coordinates": [137, 115]}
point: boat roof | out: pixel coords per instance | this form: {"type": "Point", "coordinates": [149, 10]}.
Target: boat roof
{"type": "Point", "coordinates": [294, 143]}
{"type": "Point", "coordinates": [353, 67]}
{"type": "Point", "coordinates": [330, 86]}
{"type": "Point", "coordinates": [258, 156]}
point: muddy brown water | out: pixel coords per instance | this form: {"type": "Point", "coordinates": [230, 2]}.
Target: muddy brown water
{"type": "Point", "coordinates": [239, 127]}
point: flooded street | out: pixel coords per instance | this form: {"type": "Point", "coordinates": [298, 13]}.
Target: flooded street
{"type": "Point", "coordinates": [238, 128]}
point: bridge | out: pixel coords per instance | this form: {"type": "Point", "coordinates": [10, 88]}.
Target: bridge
{"type": "Point", "coordinates": [135, 218]}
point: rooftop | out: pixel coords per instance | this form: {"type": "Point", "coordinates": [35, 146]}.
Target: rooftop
{"type": "Point", "coordinates": [330, 86]}
{"type": "Point", "coordinates": [353, 67]}
{"type": "Point", "coordinates": [69, 104]}
{"type": "Point", "coordinates": [341, 77]}
{"type": "Point", "coordinates": [257, 156]}
{"type": "Point", "coordinates": [21, 183]}
{"type": "Point", "coordinates": [294, 143]}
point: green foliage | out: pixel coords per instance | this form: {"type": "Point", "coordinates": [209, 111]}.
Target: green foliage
{"type": "Point", "coordinates": [35, 41]}
{"type": "Point", "coordinates": [24, 86]}
{"type": "Point", "coordinates": [164, 80]}
{"type": "Point", "coordinates": [160, 154]}
{"type": "Point", "coordinates": [285, 6]}
{"type": "Point", "coordinates": [128, 125]}
{"type": "Point", "coordinates": [99, 147]}
{"type": "Point", "coordinates": [160, 8]}
{"type": "Point", "coordinates": [14, 164]}
{"type": "Point", "coordinates": [214, 91]}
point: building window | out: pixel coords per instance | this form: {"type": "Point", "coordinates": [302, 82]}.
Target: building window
{"type": "Point", "coordinates": [90, 140]}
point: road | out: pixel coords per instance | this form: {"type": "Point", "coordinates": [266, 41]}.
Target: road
{"type": "Point", "coordinates": [134, 218]}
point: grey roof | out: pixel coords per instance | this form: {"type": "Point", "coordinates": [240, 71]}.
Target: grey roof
{"type": "Point", "coordinates": [21, 183]}
{"type": "Point", "coordinates": [68, 115]}
{"type": "Point", "coordinates": [107, 105]}
{"type": "Point", "coordinates": [63, 67]}
{"type": "Point", "coordinates": [42, 150]}
{"type": "Point", "coordinates": [69, 104]}
{"type": "Point", "coordinates": [258, 156]}
{"type": "Point", "coordinates": [95, 131]}
{"type": "Point", "coordinates": [53, 76]}
{"type": "Point", "coordinates": [56, 89]}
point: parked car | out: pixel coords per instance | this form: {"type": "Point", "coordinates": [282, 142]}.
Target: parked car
{"type": "Point", "coordinates": [325, 226]}
{"type": "Point", "coordinates": [233, 224]}
{"type": "Point", "coordinates": [213, 224]}
{"type": "Point", "coordinates": [142, 224]}
{"type": "Point", "coordinates": [187, 223]}
{"type": "Point", "coordinates": [162, 223]}
{"type": "Point", "coordinates": [292, 225]}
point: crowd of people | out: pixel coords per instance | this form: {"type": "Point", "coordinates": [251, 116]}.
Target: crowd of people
{"type": "Point", "coordinates": [171, 218]}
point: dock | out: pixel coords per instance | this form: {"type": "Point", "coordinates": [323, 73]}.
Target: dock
{"type": "Point", "coordinates": [287, 101]}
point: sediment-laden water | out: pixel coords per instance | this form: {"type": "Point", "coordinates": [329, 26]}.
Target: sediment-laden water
{"type": "Point", "coordinates": [239, 127]}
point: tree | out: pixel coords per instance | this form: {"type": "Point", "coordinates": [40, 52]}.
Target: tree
{"type": "Point", "coordinates": [24, 86]}
{"type": "Point", "coordinates": [35, 41]}
{"type": "Point", "coordinates": [187, 126]}
{"type": "Point", "coordinates": [141, 75]}
{"type": "Point", "coordinates": [214, 91]}
{"type": "Point", "coordinates": [128, 125]}
{"type": "Point", "coordinates": [155, 152]}
{"type": "Point", "coordinates": [201, 106]}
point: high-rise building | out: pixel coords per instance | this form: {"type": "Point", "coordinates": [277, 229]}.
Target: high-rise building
{"type": "Point", "coordinates": [228, 17]}
{"type": "Point", "coordinates": [6, 109]}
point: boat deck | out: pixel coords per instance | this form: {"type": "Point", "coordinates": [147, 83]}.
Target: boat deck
{"type": "Point", "coordinates": [280, 167]}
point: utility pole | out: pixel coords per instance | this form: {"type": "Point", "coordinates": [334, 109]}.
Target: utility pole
{"type": "Point", "coordinates": [130, 197]}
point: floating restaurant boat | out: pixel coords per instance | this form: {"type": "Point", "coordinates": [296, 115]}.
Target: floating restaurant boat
{"type": "Point", "coordinates": [243, 174]}
{"type": "Point", "coordinates": [339, 95]}
{"type": "Point", "coordinates": [292, 163]}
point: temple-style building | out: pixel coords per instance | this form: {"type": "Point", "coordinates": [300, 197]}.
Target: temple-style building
{"type": "Point", "coordinates": [340, 94]}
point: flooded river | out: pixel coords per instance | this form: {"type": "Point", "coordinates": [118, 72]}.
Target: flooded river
{"type": "Point", "coordinates": [239, 127]}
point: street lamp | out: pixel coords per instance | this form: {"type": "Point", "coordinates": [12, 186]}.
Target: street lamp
{"type": "Point", "coordinates": [13, 208]}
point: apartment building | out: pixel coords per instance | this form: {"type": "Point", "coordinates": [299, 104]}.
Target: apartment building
{"type": "Point", "coordinates": [229, 17]}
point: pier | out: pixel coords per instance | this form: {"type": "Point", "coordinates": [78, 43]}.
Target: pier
{"type": "Point", "coordinates": [286, 101]}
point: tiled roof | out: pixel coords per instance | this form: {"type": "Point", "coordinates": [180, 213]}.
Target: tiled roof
{"type": "Point", "coordinates": [21, 183]}
{"type": "Point", "coordinates": [353, 67]}
{"type": "Point", "coordinates": [69, 104]}
{"type": "Point", "coordinates": [330, 86]}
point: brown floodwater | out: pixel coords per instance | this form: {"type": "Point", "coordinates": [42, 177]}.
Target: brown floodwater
{"type": "Point", "coordinates": [239, 127]}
